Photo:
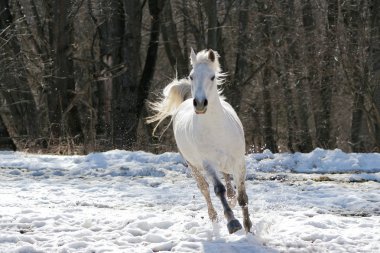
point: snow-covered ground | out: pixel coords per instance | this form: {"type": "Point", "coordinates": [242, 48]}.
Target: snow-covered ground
{"type": "Point", "coordinates": [120, 201]}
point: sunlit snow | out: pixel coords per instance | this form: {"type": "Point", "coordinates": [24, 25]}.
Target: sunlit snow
{"type": "Point", "coordinates": [121, 201]}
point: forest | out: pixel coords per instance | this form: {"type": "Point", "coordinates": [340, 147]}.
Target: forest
{"type": "Point", "coordinates": [76, 76]}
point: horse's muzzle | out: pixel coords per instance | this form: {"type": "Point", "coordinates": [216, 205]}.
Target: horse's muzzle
{"type": "Point", "coordinates": [200, 105]}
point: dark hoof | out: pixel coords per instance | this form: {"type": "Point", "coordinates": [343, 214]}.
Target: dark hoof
{"type": "Point", "coordinates": [233, 226]}
{"type": "Point", "coordinates": [247, 226]}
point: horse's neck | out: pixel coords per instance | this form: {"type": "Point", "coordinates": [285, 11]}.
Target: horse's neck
{"type": "Point", "coordinates": [215, 111]}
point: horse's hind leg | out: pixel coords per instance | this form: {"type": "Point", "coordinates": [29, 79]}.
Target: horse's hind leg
{"type": "Point", "coordinates": [243, 200]}
{"type": "Point", "coordinates": [231, 195]}
{"type": "Point", "coordinates": [203, 187]}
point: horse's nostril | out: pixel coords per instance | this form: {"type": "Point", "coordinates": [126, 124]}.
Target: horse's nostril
{"type": "Point", "coordinates": [202, 103]}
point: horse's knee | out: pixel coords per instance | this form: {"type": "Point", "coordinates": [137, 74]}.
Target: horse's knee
{"type": "Point", "coordinates": [242, 198]}
{"type": "Point", "coordinates": [219, 190]}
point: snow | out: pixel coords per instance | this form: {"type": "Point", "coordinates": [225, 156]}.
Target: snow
{"type": "Point", "coordinates": [122, 201]}
{"type": "Point", "coordinates": [317, 161]}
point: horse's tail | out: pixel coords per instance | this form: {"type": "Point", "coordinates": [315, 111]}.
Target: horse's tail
{"type": "Point", "coordinates": [173, 95]}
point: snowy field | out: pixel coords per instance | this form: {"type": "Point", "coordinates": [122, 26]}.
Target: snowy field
{"type": "Point", "coordinates": [120, 201]}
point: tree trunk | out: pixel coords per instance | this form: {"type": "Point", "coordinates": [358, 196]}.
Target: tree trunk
{"type": "Point", "coordinates": [309, 26]}
{"type": "Point", "coordinates": [284, 62]}
{"type": "Point", "coordinates": [155, 8]}
{"type": "Point", "coordinates": [124, 90]}
{"type": "Point", "coordinates": [270, 142]}
{"type": "Point", "coordinates": [172, 47]}
{"type": "Point", "coordinates": [64, 117]}
{"type": "Point", "coordinates": [214, 31]}
{"type": "Point", "coordinates": [110, 28]}
{"type": "Point", "coordinates": [265, 19]}
{"type": "Point", "coordinates": [356, 122]}
{"type": "Point", "coordinates": [242, 65]}
{"type": "Point", "coordinates": [327, 81]}
{"type": "Point", "coordinates": [6, 142]}
{"type": "Point", "coordinates": [374, 66]}
{"type": "Point", "coordinates": [356, 79]}
{"type": "Point", "coordinates": [301, 135]}
{"type": "Point", "coordinates": [20, 117]}
{"type": "Point", "coordinates": [212, 24]}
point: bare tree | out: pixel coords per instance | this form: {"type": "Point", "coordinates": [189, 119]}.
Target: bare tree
{"type": "Point", "coordinates": [19, 111]}
{"type": "Point", "coordinates": [269, 136]}
{"type": "Point", "coordinates": [301, 74]}
{"type": "Point", "coordinates": [171, 42]}
{"type": "Point", "coordinates": [64, 117]}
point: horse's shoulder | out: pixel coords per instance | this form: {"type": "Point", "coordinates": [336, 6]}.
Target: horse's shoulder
{"type": "Point", "coordinates": [227, 105]}
{"type": "Point", "coordinates": [232, 113]}
{"type": "Point", "coordinates": [185, 106]}
{"type": "Point", "coordinates": [229, 109]}
{"type": "Point", "coordinates": [183, 110]}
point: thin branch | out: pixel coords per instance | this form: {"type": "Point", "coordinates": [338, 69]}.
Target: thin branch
{"type": "Point", "coordinates": [254, 73]}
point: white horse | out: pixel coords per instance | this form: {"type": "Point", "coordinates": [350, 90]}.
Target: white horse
{"type": "Point", "coordinates": [208, 133]}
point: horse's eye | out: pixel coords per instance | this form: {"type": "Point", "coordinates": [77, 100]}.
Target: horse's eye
{"type": "Point", "coordinates": [191, 78]}
{"type": "Point", "coordinates": [212, 78]}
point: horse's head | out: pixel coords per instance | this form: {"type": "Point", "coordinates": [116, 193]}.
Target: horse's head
{"type": "Point", "coordinates": [204, 78]}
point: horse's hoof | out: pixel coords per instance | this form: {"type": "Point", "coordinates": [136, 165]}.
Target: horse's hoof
{"type": "Point", "coordinates": [233, 226]}
{"type": "Point", "coordinates": [247, 225]}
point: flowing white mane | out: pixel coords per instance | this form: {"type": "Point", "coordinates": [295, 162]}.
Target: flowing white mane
{"type": "Point", "coordinates": [202, 57]}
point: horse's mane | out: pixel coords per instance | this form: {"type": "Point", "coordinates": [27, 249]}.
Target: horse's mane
{"type": "Point", "coordinates": [173, 95]}
{"type": "Point", "coordinates": [203, 57]}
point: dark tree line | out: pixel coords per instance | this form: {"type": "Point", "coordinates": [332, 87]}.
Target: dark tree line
{"type": "Point", "coordinates": [75, 75]}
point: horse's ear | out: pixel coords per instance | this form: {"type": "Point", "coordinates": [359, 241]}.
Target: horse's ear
{"type": "Point", "coordinates": [193, 57]}
{"type": "Point", "coordinates": [211, 55]}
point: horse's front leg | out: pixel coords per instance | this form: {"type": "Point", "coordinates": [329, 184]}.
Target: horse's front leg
{"type": "Point", "coordinates": [231, 195]}
{"type": "Point", "coordinates": [203, 187]}
{"type": "Point", "coordinates": [243, 199]}
{"type": "Point", "coordinates": [233, 224]}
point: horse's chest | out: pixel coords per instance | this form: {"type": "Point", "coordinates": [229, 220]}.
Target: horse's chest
{"type": "Point", "coordinates": [212, 137]}
{"type": "Point", "coordinates": [217, 142]}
